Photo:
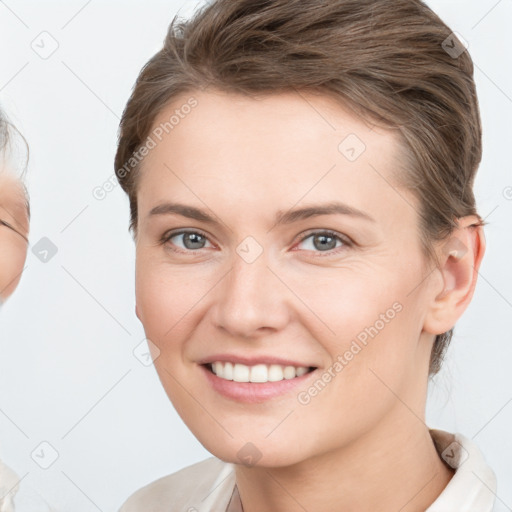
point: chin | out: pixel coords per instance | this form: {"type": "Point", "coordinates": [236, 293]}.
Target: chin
{"type": "Point", "coordinates": [258, 453]}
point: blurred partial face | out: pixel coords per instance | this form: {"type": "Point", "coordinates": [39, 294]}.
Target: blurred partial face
{"type": "Point", "coordinates": [14, 227]}
{"type": "Point", "coordinates": [238, 278]}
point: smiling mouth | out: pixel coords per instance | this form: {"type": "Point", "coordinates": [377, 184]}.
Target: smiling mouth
{"type": "Point", "coordinates": [259, 373]}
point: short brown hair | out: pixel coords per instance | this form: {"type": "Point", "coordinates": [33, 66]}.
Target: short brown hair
{"type": "Point", "coordinates": [389, 60]}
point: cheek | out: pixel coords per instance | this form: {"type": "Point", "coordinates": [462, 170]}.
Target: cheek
{"type": "Point", "coordinates": [346, 305]}
{"type": "Point", "coordinates": [369, 323]}
{"type": "Point", "coordinates": [166, 296]}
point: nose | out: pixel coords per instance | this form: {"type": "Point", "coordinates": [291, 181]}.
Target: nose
{"type": "Point", "coordinates": [251, 300]}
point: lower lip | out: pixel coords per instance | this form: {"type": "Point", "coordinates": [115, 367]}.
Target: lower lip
{"type": "Point", "coordinates": [254, 392]}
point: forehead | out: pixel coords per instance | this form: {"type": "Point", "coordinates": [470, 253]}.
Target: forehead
{"type": "Point", "coordinates": [271, 149]}
{"type": "Point", "coordinates": [294, 115]}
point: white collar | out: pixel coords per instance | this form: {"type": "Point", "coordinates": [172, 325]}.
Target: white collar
{"type": "Point", "coordinates": [471, 489]}
{"type": "Point", "coordinates": [473, 485]}
{"type": "Point", "coordinates": [9, 485]}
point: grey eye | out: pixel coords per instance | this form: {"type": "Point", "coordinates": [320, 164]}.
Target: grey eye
{"type": "Point", "coordinates": [321, 241]}
{"type": "Point", "coordinates": [190, 240]}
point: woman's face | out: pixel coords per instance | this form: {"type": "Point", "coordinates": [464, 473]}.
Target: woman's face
{"type": "Point", "coordinates": [13, 244]}
{"type": "Point", "coordinates": [260, 282]}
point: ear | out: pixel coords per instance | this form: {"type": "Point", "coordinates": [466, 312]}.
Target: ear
{"type": "Point", "coordinates": [137, 311]}
{"type": "Point", "coordinates": [459, 259]}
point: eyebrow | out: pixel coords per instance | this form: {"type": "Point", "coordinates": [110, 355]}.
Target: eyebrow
{"type": "Point", "coordinates": [281, 218]}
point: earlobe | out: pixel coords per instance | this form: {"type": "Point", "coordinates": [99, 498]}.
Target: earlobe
{"type": "Point", "coordinates": [459, 259]}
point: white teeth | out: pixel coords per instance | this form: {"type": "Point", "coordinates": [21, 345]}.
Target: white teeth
{"type": "Point", "coordinates": [258, 373]}
{"type": "Point", "coordinates": [289, 372]}
{"type": "Point", "coordinates": [227, 371]}
{"type": "Point", "coordinates": [240, 372]}
{"type": "Point", "coordinates": [301, 371]}
{"type": "Point", "coordinates": [275, 373]}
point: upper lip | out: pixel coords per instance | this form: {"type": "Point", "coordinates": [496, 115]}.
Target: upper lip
{"type": "Point", "coordinates": [253, 360]}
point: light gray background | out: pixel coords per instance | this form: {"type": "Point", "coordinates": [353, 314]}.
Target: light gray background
{"type": "Point", "coordinates": [68, 375]}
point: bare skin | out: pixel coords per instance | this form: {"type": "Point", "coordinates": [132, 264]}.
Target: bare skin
{"type": "Point", "coordinates": [14, 228]}
{"type": "Point", "coordinates": [361, 443]}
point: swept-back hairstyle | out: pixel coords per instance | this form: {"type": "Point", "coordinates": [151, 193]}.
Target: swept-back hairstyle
{"type": "Point", "coordinates": [394, 62]}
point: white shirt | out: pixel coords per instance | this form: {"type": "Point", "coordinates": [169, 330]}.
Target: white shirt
{"type": "Point", "coordinates": [14, 500]}
{"type": "Point", "coordinates": [210, 486]}
{"type": "Point", "coordinates": [9, 485]}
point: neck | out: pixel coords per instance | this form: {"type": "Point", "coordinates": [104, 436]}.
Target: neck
{"type": "Point", "coordinates": [388, 469]}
